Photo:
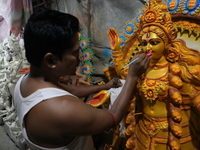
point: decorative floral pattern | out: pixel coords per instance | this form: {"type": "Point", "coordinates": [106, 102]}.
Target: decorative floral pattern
{"type": "Point", "coordinates": [129, 28]}
{"type": "Point", "coordinates": [172, 56]}
{"type": "Point", "coordinates": [191, 6]}
{"type": "Point", "coordinates": [86, 62]}
{"type": "Point", "coordinates": [122, 40]}
{"type": "Point", "coordinates": [150, 16]}
{"type": "Point", "coordinates": [173, 5]}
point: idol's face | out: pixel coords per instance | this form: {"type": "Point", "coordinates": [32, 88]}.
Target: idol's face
{"type": "Point", "coordinates": [151, 42]}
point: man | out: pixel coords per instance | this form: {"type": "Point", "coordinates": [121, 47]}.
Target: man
{"type": "Point", "coordinates": [50, 114]}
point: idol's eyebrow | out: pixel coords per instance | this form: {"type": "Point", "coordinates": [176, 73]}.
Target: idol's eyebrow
{"type": "Point", "coordinates": [151, 39]}
{"type": "Point", "coordinates": [155, 39]}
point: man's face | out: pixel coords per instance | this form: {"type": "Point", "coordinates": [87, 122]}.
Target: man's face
{"type": "Point", "coordinates": [70, 60]}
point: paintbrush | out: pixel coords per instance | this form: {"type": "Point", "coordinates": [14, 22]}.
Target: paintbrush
{"type": "Point", "coordinates": [148, 54]}
{"type": "Point", "coordinates": [130, 63]}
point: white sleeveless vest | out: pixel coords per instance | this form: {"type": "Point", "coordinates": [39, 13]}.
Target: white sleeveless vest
{"type": "Point", "coordinates": [23, 105]}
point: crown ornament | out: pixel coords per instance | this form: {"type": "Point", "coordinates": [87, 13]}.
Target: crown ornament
{"type": "Point", "coordinates": [156, 14]}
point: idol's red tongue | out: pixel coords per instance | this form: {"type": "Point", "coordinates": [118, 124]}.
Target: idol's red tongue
{"type": "Point", "coordinates": [149, 54]}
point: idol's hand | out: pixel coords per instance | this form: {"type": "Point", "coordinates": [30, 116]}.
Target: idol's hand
{"type": "Point", "coordinates": [99, 98]}
{"type": "Point", "coordinates": [114, 39]}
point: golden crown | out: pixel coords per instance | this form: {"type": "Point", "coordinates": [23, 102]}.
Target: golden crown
{"type": "Point", "coordinates": [156, 14]}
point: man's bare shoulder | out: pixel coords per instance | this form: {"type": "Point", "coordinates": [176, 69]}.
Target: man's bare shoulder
{"type": "Point", "coordinates": [66, 116]}
{"type": "Point", "coordinates": [30, 85]}
{"type": "Point", "coordinates": [47, 118]}
{"type": "Point", "coordinates": [56, 108]}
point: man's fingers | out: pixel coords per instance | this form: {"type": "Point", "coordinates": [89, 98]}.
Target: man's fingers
{"type": "Point", "coordinates": [146, 60]}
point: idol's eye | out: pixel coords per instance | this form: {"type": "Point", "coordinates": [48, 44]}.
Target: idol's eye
{"type": "Point", "coordinates": [154, 42]}
{"type": "Point", "coordinates": [143, 44]}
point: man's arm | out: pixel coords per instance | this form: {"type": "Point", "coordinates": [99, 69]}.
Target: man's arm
{"type": "Point", "coordinates": [88, 120]}
{"type": "Point", "coordinates": [68, 116]}
{"type": "Point", "coordinates": [86, 90]}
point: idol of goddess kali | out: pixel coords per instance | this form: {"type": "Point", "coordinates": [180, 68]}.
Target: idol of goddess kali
{"type": "Point", "coordinates": [165, 111]}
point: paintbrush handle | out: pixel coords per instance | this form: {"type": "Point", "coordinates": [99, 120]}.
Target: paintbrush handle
{"type": "Point", "coordinates": [130, 63]}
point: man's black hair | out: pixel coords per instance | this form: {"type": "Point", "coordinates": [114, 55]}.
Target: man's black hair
{"type": "Point", "coordinates": [49, 31]}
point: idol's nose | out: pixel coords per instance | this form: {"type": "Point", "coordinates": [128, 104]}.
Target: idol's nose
{"type": "Point", "coordinates": [149, 47]}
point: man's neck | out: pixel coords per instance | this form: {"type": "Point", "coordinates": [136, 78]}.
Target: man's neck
{"type": "Point", "coordinates": [43, 73]}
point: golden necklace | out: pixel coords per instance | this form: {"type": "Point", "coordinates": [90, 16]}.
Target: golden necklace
{"type": "Point", "coordinates": [154, 89]}
{"type": "Point", "coordinates": [157, 66]}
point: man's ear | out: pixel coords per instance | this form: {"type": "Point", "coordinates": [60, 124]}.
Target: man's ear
{"type": "Point", "coordinates": [50, 60]}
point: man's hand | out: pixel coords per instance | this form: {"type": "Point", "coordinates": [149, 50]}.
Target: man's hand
{"type": "Point", "coordinates": [114, 83]}
{"type": "Point", "coordinates": [139, 66]}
